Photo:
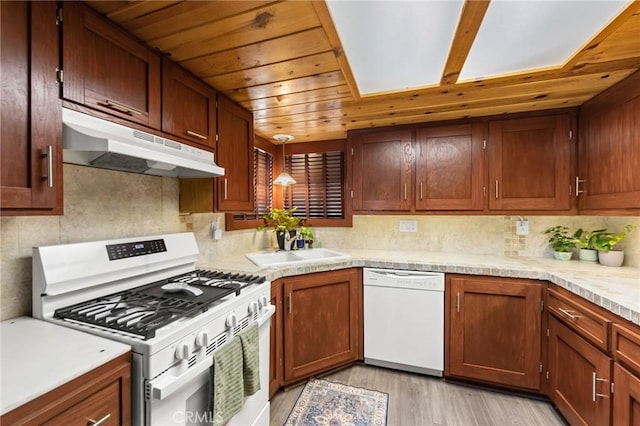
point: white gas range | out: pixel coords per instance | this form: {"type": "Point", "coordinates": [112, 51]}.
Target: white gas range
{"type": "Point", "coordinates": [146, 292]}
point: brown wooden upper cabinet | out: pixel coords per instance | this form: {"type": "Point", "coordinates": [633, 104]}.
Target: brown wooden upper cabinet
{"type": "Point", "coordinates": [609, 148]}
{"type": "Point", "coordinates": [235, 154]}
{"type": "Point", "coordinates": [108, 70]}
{"type": "Point", "coordinates": [450, 167]}
{"type": "Point", "coordinates": [30, 154]}
{"type": "Point", "coordinates": [530, 163]}
{"type": "Point", "coordinates": [188, 106]}
{"type": "Point", "coordinates": [382, 170]}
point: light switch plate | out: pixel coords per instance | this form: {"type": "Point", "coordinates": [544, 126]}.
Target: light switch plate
{"type": "Point", "coordinates": [522, 227]}
{"type": "Point", "coordinates": [408, 226]}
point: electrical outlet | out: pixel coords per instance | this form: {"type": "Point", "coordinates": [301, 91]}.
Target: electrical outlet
{"type": "Point", "coordinates": [522, 227]}
{"type": "Point", "coordinates": [408, 226]}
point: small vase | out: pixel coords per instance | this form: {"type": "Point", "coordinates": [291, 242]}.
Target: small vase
{"type": "Point", "coordinates": [611, 258]}
{"type": "Point", "coordinates": [588, 255]}
{"type": "Point", "coordinates": [562, 255]}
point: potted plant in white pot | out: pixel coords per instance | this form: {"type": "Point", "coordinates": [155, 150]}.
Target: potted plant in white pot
{"type": "Point", "coordinates": [605, 243]}
{"type": "Point", "coordinates": [585, 240]}
{"type": "Point", "coordinates": [561, 242]}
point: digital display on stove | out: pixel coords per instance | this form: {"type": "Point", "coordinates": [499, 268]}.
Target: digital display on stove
{"type": "Point", "coordinates": [140, 248]}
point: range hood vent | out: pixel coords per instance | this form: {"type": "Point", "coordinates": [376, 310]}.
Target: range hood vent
{"type": "Point", "coordinates": [92, 141]}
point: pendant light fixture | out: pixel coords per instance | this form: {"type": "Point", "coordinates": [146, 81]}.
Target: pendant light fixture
{"type": "Point", "coordinates": [284, 178]}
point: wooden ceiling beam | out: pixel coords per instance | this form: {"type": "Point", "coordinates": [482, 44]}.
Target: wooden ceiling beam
{"type": "Point", "coordinates": [471, 17]}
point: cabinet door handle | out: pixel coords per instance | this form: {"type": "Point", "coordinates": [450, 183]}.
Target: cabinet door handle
{"type": "Point", "coordinates": [195, 135]}
{"type": "Point", "coordinates": [405, 192]}
{"type": "Point", "coordinates": [126, 109]}
{"type": "Point", "coordinates": [225, 188]}
{"type": "Point", "coordinates": [91, 422]}
{"type": "Point", "coordinates": [421, 190]}
{"type": "Point", "coordinates": [594, 380]}
{"type": "Point", "coordinates": [290, 303]}
{"type": "Point", "coordinates": [578, 182]}
{"type": "Point", "coordinates": [496, 190]}
{"type": "Point", "coordinates": [569, 314]}
{"type": "Point", "coordinates": [49, 177]}
{"type": "Point", "coordinates": [458, 302]}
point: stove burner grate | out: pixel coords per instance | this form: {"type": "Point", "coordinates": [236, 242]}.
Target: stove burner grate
{"type": "Point", "coordinates": [142, 310]}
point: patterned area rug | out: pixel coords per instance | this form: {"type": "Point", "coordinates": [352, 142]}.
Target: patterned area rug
{"type": "Point", "coordinates": [334, 404]}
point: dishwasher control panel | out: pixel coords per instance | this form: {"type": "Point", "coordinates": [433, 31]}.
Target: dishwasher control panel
{"type": "Point", "coordinates": [419, 280]}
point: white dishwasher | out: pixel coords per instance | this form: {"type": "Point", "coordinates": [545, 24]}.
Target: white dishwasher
{"type": "Point", "coordinates": [404, 320]}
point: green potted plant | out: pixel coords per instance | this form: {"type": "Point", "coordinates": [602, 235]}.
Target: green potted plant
{"type": "Point", "coordinates": [585, 240]}
{"type": "Point", "coordinates": [605, 243]}
{"type": "Point", "coordinates": [561, 242]}
{"type": "Point", "coordinates": [306, 234]}
{"type": "Point", "coordinates": [282, 221]}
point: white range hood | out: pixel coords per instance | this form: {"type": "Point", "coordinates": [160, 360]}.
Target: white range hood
{"type": "Point", "coordinates": [91, 141]}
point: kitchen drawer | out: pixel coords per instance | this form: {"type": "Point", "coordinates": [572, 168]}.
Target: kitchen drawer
{"type": "Point", "coordinates": [581, 318]}
{"type": "Point", "coordinates": [102, 407]}
{"type": "Point", "coordinates": [625, 346]}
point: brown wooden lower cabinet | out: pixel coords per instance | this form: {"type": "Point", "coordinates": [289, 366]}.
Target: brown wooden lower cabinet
{"type": "Point", "coordinates": [276, 359]}
{"type": "Point", "coordinates": [494, 330]}
{"type": "Point", "coordinates": [626, 398]}
{"type": "Point", "coordinates": [580, 377]}
{"type": "Point", "coordinates": [101, 394]}
{"type": "Point", "coordinates": [322, 322]}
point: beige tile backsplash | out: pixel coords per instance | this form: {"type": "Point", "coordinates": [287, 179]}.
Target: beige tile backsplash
{"type": "Point", "coordinates": [98, 204]}
{"type": "Point", "coordinates": [102, 204]}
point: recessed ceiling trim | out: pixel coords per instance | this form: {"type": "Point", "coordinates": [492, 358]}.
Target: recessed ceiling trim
{"type": "Point", "coordinates": [574, 61]}
{"type": "Point", "coordinates": [334, 39]}
{"type": "Point", "coordinates": [518, 36]}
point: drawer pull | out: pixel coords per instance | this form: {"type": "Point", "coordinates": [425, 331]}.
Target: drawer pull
{"type": "Point", "coordinates": [92, 422]}
{"type": "Point", "coordinates": [120, 107]}
{"type": "Point", "coordinates": [569, 314]}
{"type": "Point", "coordinates": [196, 135]}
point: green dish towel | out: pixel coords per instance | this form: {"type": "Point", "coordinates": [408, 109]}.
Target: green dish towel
{"type": "Point", "coordinates": [251, 359]}
{"type": "Point", "coordinates": [228, 386]}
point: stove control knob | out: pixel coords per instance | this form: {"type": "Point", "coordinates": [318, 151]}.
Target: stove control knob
{"type": "Point", "coordinates": [232, 320]}
{"type": "Point", "coordinates": [183, 350]}
{"type": "Point", "coordinates": [254, 307]}
{"type": "Point", "coordinates": [264, 301]}
{"type": "Point", "coordinates": [202, 339]}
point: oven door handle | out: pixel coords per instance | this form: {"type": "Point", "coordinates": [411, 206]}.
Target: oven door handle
{"type": "Point", "coordinates": [165, 385]}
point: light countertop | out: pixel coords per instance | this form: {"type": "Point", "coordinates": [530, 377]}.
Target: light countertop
{"type": "Point", "coordinates": [37, 356]}
{"type": "Point", "coordinates": [615, 289]}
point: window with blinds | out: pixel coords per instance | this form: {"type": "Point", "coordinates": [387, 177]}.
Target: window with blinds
{"type": "Point", "coordinates": [318, 192]}
{"type": "Point", "coordinates": [263, 184]}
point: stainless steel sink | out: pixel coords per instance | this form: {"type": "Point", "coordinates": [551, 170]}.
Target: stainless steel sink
{"type": "Point", "coordinates": [297, 256]}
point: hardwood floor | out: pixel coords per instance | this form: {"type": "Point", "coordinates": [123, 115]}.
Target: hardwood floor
{"type": "Point", "coordinates": [416, 400]}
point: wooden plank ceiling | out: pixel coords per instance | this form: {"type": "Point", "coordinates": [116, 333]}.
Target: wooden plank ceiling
{"type": "Point", "coordinates": [283, 61]}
